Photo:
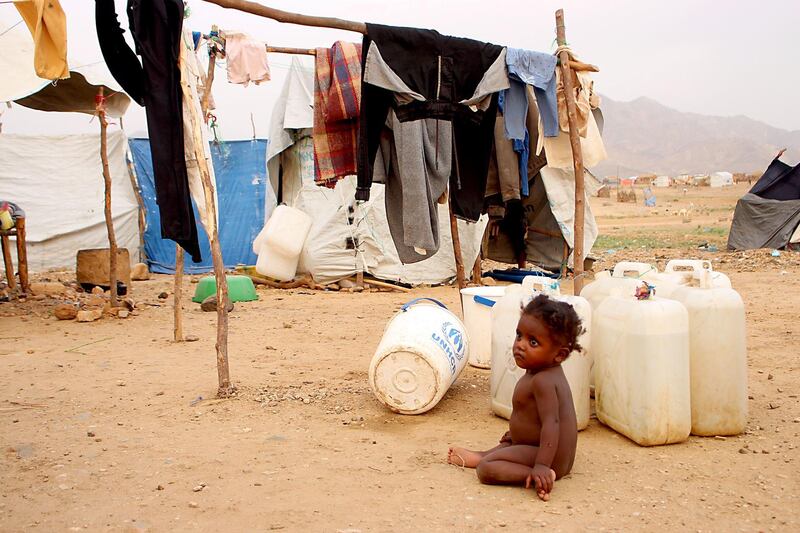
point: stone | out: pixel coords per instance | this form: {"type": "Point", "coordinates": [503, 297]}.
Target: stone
{"type": "Point", "coordinates": [191, 338]}
{"type": "Point", "coordinates": [87, 316]}
{"type": "Point", "coordinates": [96, 300]}
{"type": "Point", "coordinates": [163, 296]}
{"type": "Point", "coordinates": [140, 272]}
{"type": "Point", "coordinates": [98, 291]}
{"type": "Point", "coordinates": [346, 283]}
{"type": "Point", "coordinates": [123, 313]}
{"type": "Point", "coordinates": [48, 288]}
{"type": "Point", "coordinates": [210, 304]}
{"type": "Point", "coordinates": [193, 505]}
{"type": "Point", "coordinates": [65, 312]}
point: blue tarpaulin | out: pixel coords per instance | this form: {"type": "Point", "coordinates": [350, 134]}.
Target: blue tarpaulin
{"type": "Point", "coordinates": [241, 172]}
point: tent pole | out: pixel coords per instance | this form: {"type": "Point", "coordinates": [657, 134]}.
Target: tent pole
{"type": "Point", "coordinates": [223, 372]}
{"type": "Point", "coordinates": [112, 240]}
{"type": "Point", "coordinates": [577, 155]}
{"type": "Point", "coordinates": [292, 18]}
{"type": "Point", "coordinates": [460, 275]}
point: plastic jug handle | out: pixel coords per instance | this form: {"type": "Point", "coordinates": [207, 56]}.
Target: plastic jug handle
{"type": "Point", "coordinates": [488, 302]}
{"type": "Point", "coordinates": [417, 300]}
{"type": "Point", "coordinates": [632, 266]}
{"type": "Point", "coordinates": [697, 265]}
{"type": "Point", "coordinates": [545, 284]}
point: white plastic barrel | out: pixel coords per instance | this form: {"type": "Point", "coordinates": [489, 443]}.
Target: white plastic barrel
{"type": "Point", "coordinates": [718, 356]}
{"type": "Point", "coordinates": [505, 372]}
{"type": "Point", "coordinates": [423, 350]}
{"type": "Point", "coordinates": [641, 368]}
{"type": "Point", "coordinates": [477, 305]}
{"type": "Point", "coordinates": [280, 243]}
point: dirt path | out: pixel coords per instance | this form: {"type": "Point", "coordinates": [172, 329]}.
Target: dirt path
{"type": "Point", "coordinates": [110, 426]}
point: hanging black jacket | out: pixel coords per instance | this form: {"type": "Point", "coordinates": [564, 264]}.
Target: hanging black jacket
{"type": "Point", "coordinates": [156, 84]}
{"type": "Point", "coordinates": [423, 74]}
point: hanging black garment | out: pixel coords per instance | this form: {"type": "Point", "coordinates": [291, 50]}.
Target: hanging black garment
{"type": "Point", "coordinates": [441, 72]}
{"type": "Point", "coordinates": [156, 29]}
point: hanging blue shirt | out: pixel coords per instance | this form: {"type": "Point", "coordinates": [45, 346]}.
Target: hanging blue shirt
{"type": "Point", "coordinates": [537, 69]}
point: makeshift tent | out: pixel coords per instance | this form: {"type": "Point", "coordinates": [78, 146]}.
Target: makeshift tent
{"type": "Point", "coordinates": [346, 235]}
{"type": "Point", "coordinates": [75, 94]}
{"type": "Point", "coordinates": [662, 181]}
{"type": "Point", "coordinates": [550, 211]}
{"type": "Point", "coordinates": [58, 181]}
{"type": "Point", "coordinates": [768, 216]}
{"type": "Point", "coordinates": [721, 179]}
{"type": "Point", "coordinates": [240, 168]}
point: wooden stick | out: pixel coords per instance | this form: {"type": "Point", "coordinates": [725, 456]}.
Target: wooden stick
{"type": "Point", "coordinates": [291, 18]}
{"type": "Point", "coordinates": [288, 50]}
{"type": "Point", "coordinates": [112, 239]}
{"type": "Point", "coordinates": [376, 283]}
{"type": "Point", "coordinates": [22, 254]}
{"type": "Point", "coordinates": [212, 60]}
{"type": "Point", "coordinates": [9, 264]}
{"type": "Point", "coordinates": [142, 217]}
{"type": "Point", "coordinates": [223, 371]}
{"type": "Point", "coordinates": [476, 270]}
{"type": "Point", "coordinates": [460, 275]}
{"type": "Point", "coordinates": [581, 66]}
{"type": "Point", "coordinates": [176, 296]}
{"type": "Point", "coordinates": [577, 155]}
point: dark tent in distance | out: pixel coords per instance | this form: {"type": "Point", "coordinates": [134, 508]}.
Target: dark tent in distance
{"type": "Point", "coordinates": [768, 216]}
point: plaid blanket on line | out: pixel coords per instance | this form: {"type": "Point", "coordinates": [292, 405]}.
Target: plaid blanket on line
{"type": "Point", "coordinates": [337, 101]}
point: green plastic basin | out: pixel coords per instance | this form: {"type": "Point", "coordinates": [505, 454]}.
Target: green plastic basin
{"type": "Point", "coordinates": [240, 289]}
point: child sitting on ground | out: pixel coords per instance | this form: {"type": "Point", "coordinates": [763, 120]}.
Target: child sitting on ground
{"type": "Point", "coordinates": [540, 444]}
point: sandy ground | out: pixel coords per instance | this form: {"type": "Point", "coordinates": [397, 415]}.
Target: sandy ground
{"type": "Point", "coordinates": [112, 426]}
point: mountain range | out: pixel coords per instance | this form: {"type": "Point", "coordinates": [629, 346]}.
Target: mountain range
{"type": "Point", "coordinates": [643, 136]}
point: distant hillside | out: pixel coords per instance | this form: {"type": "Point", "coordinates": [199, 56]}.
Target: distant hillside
{"type": "Point", "coordinates": [644, 136]}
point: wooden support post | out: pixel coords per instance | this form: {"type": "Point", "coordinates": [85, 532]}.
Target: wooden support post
{"type": "Point", "coordinates": [577, 155]}
{"type": "Point", "coordinates": [460, 275]}
{"type": "Point", "coordinates": [223, 371]}
{"type": "Point", "coordinates": [212, 60]}
{"type": "Point", "coordinates": [112, 240]}
{"type": "Point", "coordinates": [9, 264]}
{"type": "Point", "coordinates": [22, 254]}
{"type": "Point", "coordinates": [177, 293]}
{"type": "Point", "coordinates": [476, 270]}
{"type": "Point", "coordinates": [289, 50]}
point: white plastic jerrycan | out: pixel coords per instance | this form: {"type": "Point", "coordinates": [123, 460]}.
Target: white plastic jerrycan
{"type": "Point", "coordinates": [506, 373]}
{"type": "Point", "coordinates": [423, 350]}
{"type": "Point", "coordinates": [718, 357]}
{"type": "Point", "coordinates": [477, 304]}
{"type": "Point", "coordinates": [280, 243]}
{"type": "Point", "coordinates": [641, 368]}
{"type": "Point", "coordinates": [604, 285]}
{"type": "Point", "coordinates": [692, 270]}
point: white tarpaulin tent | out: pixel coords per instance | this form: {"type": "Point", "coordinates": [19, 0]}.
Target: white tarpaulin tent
{"type": "Point", "coordinates": [74, 94]}
{"type": "Point", "coordinates": [721, 179]}
{"type": "Point", "coordinates": [337, 220]}
{"type": "Point", "coordinates": [662, 181]}
{"type": "Point", "coordinates": [58, 182]}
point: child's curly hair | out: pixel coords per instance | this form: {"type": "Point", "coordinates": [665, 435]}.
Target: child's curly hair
{"type": "Point", "coordinates": [560, 318]}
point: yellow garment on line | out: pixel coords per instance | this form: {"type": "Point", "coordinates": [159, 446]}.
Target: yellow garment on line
{"type": "Point", "coordinates": [48, 26]}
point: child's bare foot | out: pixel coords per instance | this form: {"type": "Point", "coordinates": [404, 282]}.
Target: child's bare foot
{"type": "Point", "coordinates": [463, 457]}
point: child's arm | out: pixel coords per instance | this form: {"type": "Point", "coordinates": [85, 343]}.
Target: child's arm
{"type": "Point", "coordinates": [544, 390]}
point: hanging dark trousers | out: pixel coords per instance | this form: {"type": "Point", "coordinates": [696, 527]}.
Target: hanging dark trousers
{"type": "Point", "coordinates": [156, 29]}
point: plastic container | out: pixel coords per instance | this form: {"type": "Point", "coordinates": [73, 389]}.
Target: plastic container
{"type": "Point", "coordinates": [423, 350]}
{"type": "Point", "coordinates": [693, 268]}
{"type": "Point", "coordinates": [604, 285]}
{"type": "Point", "coordinates": [240, 289]}
{"type": "Point", "coordinates": [718, 357]}
{"type": "Point", "coordinates": [477, 304]}
{"type": "Point", "coordinates": [506, 373]}
{"type": "Point", "coordinates": [641, 368]}
{"type": "Point", "coordinates": [280, 243]}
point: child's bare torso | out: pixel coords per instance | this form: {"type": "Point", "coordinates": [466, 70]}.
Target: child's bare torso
{"type": "Point", "coordinates": [525, 425]}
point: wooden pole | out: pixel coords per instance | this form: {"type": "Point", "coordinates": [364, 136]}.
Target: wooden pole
{"type": "Point", "coordinates": [577, 155]}
{"type": "Point", "coordinates": [223, 371]}
{"type": "Point", "coordinates": [176, 295]}
{"type": "Point", "coordinates": [476, 270]}
{"type": "Point", "coordinates": [9, 264]}
{"type": "Point", "coordinates": [460, 275]}
{"type": "Point", "coordinates": [288, 50]}
{"type": "Point", "coordinates": [212, 60]}
{"type": "Point", "coordinates": [22, 254]}
{"type": "Point", "coordinates": [291, 18]}
{"type": "Point", "coordinates": [112, 240]}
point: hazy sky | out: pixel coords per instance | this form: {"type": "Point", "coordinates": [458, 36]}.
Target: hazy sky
{"type": "Point", "coordinates": [711, 57]}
